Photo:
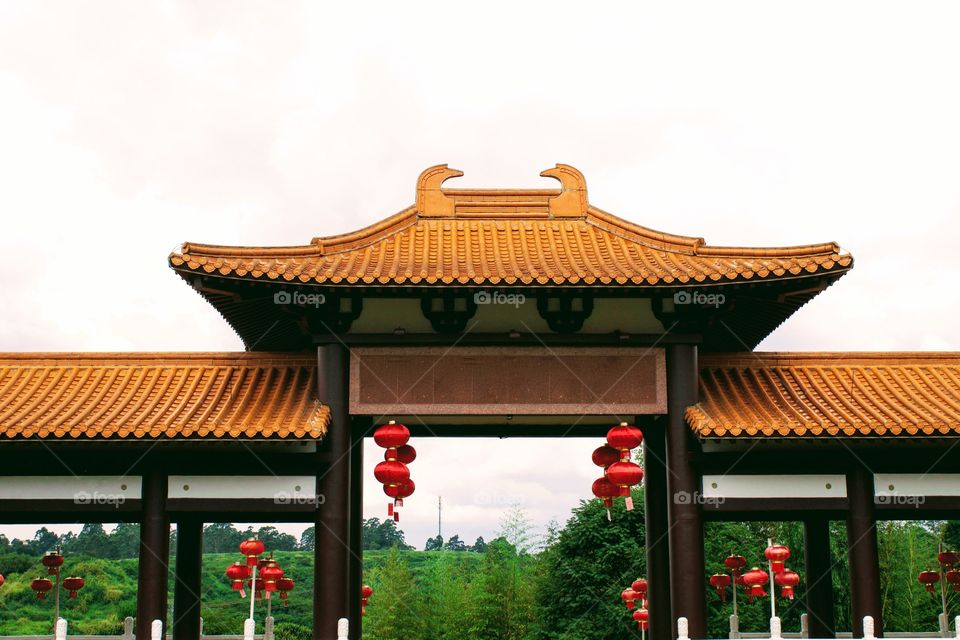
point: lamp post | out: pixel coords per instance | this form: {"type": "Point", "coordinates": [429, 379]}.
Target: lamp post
{"type": "Point", "coordinates": [754, 580]}
{"type": "Point", "coordinates": [53, 561]}
{"type": "Point", "coordinates": [947, 572]}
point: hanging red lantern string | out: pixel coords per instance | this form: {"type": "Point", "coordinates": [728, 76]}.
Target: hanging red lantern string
{"type": "Point", "coordinates": [928, 578]}
{"type": "Point", "coordinates": [606, 491]}
{"type": "Point", "coordinates": [787, 580]}
{"type": "Point", "coordinates": [720, 582]}
{"type": "Point", "coordinates": [754, 580]}
{"type": "Point", "coordinates": [393, 472]}
{"type": "Point", "coordinates": [629, 596]}
{"type": "Point", "coordinates": [624, 474]}
{"type": "Point", "coordinates": [777, 554]}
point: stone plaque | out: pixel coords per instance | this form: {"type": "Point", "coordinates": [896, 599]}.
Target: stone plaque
{"type": "Point", "coordinates": [507, 381]}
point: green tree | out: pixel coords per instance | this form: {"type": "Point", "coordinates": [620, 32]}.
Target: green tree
{"type": "Point", "coordinates": [434, 544]}
{"type": "Point", "coordinates": [455, 544]}
{"type": "Point", "coordinates": [274, 540]}
{"type": "Point", "coordinates": [591, 562]}
{"type": "Point", "coordinates": [479, 545]}
{"type": "Point", "coordinates": [502, 603]}
{"type": "Point", "coordinates": [516, 528]}
{"type": "Point", "coordinates": [221, 537]}
{"type": "Point", "coordinates": [397, 613]}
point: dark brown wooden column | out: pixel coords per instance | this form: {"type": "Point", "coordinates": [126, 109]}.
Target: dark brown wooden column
{"type": "Point", "coordinates": [657, 528]}
{"type": "Point", "coordinates": [187, 582]}
{"type": "Point", "coordinates": [819, 577]}
{"type": "Point", "coordinates": [331, 583]}
{"type": "Point", "coordinates": [360, 426]}
{"type": "Point", "coordinates": [687, 575]}
{"type": "Point", "coordinates": [154, 554]}
{"type": "Point", "coordinates": [864, 557]}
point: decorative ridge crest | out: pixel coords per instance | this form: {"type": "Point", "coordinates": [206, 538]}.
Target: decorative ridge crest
{"type": "Point", "coordinates": [570, 201]}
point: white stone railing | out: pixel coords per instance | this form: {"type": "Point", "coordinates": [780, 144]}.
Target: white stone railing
{"type": "Point", "coordinates": [156, 632]}
{"type": "Point", "coordinates": [775, 633]}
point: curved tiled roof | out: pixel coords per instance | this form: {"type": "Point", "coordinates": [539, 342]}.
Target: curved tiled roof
{"type": "Point", "coordinates": [508, 237]}
{"type": "Point", "coordinates": [828, 394]}
{"type": "Point", "coordinates": [74, 396]}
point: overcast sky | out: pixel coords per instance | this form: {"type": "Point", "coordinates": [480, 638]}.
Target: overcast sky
{"type": "Point", "coordinates": [128, 128]}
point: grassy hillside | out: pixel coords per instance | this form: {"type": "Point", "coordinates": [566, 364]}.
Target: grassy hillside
{"type": "Point", "coordinates": [110, 593]}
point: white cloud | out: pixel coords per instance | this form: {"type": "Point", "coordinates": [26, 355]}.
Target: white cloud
{"type": "Point", "coordinates": [128, 128]}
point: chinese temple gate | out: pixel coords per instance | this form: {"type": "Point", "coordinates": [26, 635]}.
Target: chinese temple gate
{"type": "Point", "coordinates": [488, 313]}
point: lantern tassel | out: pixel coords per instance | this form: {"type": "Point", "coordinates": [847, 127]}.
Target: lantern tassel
{"type": "Point", "coordinates": [389, 508]}
{"type": "Point", "coordinates": [609, 517]}
{"type": "Point", "coordinates": [243, 594]}
{"type": "Point", "coordinates": [629, 501]}
{"type": "Point", "coordinates": [396, 516]}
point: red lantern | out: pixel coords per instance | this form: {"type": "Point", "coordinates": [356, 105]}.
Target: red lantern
{"type": "Point", "coordinates": [948, 558]}
{"type": "Point", "coordinates": [777, 554]}
{"type": "Point", "coordinates": [257, 588]}
{"type": "Point", "coordinates": [41, 586]}
{"type": "Point", "coordinates": [2, 580]}
{"type": "Point", "coordinates": [406, 454]}
{"type": "Point", "coordinates": [391, 435]}
{"type": "Point", "coordinates": [606, 491]}
{"type": "Point", "coordinates": [238, 574]}
{"type": "Point", "coordinates": [284, 586]}
{"type": "Point", "coordinates": [754, 580]}
{"type": "Point", "coordinates": [629, 596]}
{"type": "Point", "coordinates": [270, 574]}
{"type": "Point", "coordinates": [52, 560]}
{"type": "Point", "coordinates": [605, 456]}
{"type": "Point", "coordinates": [398, 493]}
{"type": "Point", "coordinates": [366, 591]}
{"type": "Point", "coordinates": [928, 579]}
{"type": "Point", "coordinates": [73, 584]}
{"type": "Point", "coordinates": [624, 438]}
{"type": "Point", "coordinates": [252, 548]}
{"type": "Point", "coordinates": [788, 581]}
{"type": "Point", "coordinates": [642, 616]}
{"type": "Point", "coordinates": [624, 474]}
{"type": "Point", "coordinates": [640, 586]}
{"type": "Point", "coordinates": [735, 563]}
{"type": "Point", "coordinates": [952, 576]}
{"type": "Point", "coordinates": [720, 582]}
{"type": "Point", "coordinates": [391, 472]}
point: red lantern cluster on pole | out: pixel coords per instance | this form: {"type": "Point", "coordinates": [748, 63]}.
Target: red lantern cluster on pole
{"type": "Point", "coordinates": [53, 561]}
{"type": "Point", "coordinates": [635, 597]}
{"type": "Point", "coordinates": [393, 472]}
{"type": "Point", "coordinates": [619, 473]}
{"type": "Point", "coordinates": [366, 592]}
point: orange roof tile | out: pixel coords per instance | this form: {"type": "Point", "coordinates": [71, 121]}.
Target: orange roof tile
{"type": "Point", "coordinates": [70, 396]}
{"type": "Point", "coordinates": [828, 394]}
{"type": "Point", "coordinates": [508, 237]}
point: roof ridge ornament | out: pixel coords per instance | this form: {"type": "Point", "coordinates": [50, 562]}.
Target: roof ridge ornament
{"type": "Point", "coordinates": [431, 200]}
{"type": "Point", "coordinates": [572, 201]}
